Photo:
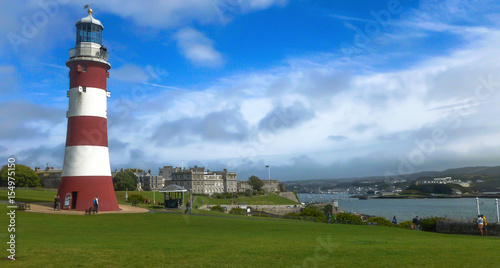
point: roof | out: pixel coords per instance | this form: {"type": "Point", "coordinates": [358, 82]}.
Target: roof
{"type": "Point", "coordinates": [172, 188]}
{"type": "Point", "coordinates": [90, 19]}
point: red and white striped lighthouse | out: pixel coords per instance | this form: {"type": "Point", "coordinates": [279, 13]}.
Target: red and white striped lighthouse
{"type": "Point", "coordinates": [86, 170]}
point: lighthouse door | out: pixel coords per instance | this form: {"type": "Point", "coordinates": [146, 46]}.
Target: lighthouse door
{"type": "Point", "coordinates": [75, 197]}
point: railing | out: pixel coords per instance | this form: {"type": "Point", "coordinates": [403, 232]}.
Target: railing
{"type": "Point", "coordinates": [88, 52]}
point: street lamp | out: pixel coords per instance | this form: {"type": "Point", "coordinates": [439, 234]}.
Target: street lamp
{"type": "Point", "coordinates": [477, 203]}
{"type": "Point", "coordinates": [498, 214]}
{"type": "Point", "coordinates": [269, 167]}
{"type": "Point", "coordinates": [126, 194]}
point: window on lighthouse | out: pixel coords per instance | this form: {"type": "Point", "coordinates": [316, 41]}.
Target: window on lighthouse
{"type": "Point", "coordinates": [87, 32]}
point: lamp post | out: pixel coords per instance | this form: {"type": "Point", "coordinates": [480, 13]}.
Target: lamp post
{"type": "Point", "coordinates": [126, 194]}
{"type": "Point", "coordinates": [269, 169]}
{"type": "Point", "coordinates": [477, 203]}
{"type": "Point", "coordinates": [498, 214]}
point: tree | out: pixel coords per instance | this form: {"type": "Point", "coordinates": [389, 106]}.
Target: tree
{"type": "Point", "coordinates": [255, 182]}
{"type": "Point", "coordinates": [125, 180]}
{"type": "Point", "coordinates": [24, 176]}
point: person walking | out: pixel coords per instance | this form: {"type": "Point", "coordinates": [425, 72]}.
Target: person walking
{"type": "Point", "coordinates": [96, 204]}
{"type": "Point", "coordinates": [188, 207]}
{"type": "Point", "coordinates": [58, 202]}
{"type": "Point", "coordinates": [329, 217]}
{"type": "Point", "coordinates": [480, 223]}
{"type": "Point", "coordinates": [394, 221]}
{"type": "Point", "coordinates": [55, 202]}
{"type": "Point", "coordinates": [335, 218]}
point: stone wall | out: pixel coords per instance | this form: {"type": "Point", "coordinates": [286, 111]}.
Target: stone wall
{"type": "Point", "coordinates": [451, 227]}
{"type": "Point", "coordinates": [290, 195]}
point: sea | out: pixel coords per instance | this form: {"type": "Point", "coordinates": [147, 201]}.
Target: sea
{"type": "Point", "coordinates": [462, 209]}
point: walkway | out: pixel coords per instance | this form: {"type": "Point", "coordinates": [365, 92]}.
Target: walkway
{"type": "Point", "coordinates": [48, 207]}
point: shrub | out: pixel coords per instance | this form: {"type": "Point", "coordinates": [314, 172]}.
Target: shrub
{"type": "Point", "coordinates": [313, 211]}
{"type": "Point", "coordinates": [260, 214]}
{"type": "Point", "coordinates": [237, 211]}
{"type": "Point", "coordinates": [405, 224]}
{"type": "Point", "coordinates": [217, 208]}
{"type": "Point", "coordinates": [261, 192]}
{"type": "Point", "coordinates": [136, 197]}
{"type": "Point", "coordinates": [348, 218]}
{"type": "Point", "coordinates": [292, 215]}
{"type": "Point", "coordinates": [218, 196]}
{"type": "Point", "coordinates": [380, 221]}
{"type": "Point", "coordinates": [278, 192]}
{"type": "Point", "coordinates": [428, 224]}
{"type": "Point", "coordinates": [248, 192]}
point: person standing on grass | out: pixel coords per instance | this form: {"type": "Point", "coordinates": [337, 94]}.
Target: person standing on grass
{"type": "Point", "coordinates": [416, 223]}
{"type": "Point", "coordinates": [394, 221]}
{"type": "Point", "coordinates": [329, 217]}
{"type": "Point", "coordinates": [55, 202]}
{"type": "Point", "coordinates": [485, 227]}
{"type": "Point", "coordinates": [480, 223]}
{"type": "Point", "coordinates": [335, 218]}
{"type": "Point", "coordinates": [188, 207]}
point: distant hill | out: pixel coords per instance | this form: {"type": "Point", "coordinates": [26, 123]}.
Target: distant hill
{"type": "Point", "coordinates": [490, 176]}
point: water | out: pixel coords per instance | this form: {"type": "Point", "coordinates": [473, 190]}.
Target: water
{"type": "Point", "coordinates": [406, 209]}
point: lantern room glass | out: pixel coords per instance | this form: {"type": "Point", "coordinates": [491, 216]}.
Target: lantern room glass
{"type": "Point", "coordinates": [88, 32]}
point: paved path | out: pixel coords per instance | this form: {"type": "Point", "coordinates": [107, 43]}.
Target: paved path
{"type": "Point", "coordinates": [48, 207]}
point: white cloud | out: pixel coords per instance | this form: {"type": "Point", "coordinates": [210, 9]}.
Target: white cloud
{"type": "Point", "coordinates": [198, 48]}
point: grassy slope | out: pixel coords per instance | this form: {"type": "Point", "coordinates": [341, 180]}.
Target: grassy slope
{"type": "Point", "coordinates": [268, 199]}
{"type": "Point", "coordinates": [170, 240]}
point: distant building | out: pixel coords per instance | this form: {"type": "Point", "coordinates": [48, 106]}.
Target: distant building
{"type": "Point", "coordinates": [200, 181]}
{"type": "Point", "coordinates": [150, 182]}
{"type": "Point", "coordinates": [49, 177]}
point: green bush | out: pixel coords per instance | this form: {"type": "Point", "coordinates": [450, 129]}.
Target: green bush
{"type": "Point", "coordinates": [260, 214]}
{"type": "Point", "coordinates": [292, 215]}
{"type": "Point", "coordinates": [136, 197]}
{"type": "Point", "coordinates": [380, 221]}
{"type": "Point", "coordinates": [313, 211]}
{"type": "Point", "coordinates": [348, 218]}
{"type": "Point", "coordinates": [428, 224]}
{"type": "Point", "coordinates": [248, 192]}
{"type": "Point", "coordinates": [405, 224]}
{"type": "Point", "coordinates": [237, 211]}
{"type": "Point", "coordinates": [217, 208]}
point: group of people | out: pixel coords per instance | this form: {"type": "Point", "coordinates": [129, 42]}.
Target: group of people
{"type": "Point", "coordinates": [482, 224]}
{"type": "Point", "coordinates": [57, 203]}
{"type": "Point", "coordinates": [329, 217]}
{"type": "Point", "coordinates": [414, 226]}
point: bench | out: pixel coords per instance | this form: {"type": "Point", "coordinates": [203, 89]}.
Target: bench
{"type": "Point", "coordinates": [24, 206]}
{"type": "Point", "coordinates": [90, 210]}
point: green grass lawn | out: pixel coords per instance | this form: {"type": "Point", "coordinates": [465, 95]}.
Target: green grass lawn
{"type": "Point", "coordinates": [172, 240]}
{"type": "Point", "coordinates": [268, 199]}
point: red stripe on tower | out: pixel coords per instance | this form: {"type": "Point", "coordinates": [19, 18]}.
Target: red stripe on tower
{"type": "Point", "coordinates": [86, 170]}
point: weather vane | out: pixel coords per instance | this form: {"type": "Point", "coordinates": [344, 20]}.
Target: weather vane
{"type": "Point", "coordinates": [89, 9]}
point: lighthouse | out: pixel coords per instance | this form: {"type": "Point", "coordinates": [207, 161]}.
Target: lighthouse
{"type": "Point", "coordinates": [86, 172]}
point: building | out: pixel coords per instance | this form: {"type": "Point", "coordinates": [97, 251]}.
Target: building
{"type": "Point", "coordinates": [151, 182]}
{"type": "Point", "coordinates": [200, 181]}
{"type": "Point", "coordinates": [49, 177]}
{"type": "Point", "coordinates": [86, 171]}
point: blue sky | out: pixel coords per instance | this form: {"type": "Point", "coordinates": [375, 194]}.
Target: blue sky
{"type": "Point", "coordinates": [315, 89]}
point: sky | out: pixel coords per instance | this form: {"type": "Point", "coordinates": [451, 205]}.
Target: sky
{"type": "Point", "coordinates": [314, 89]}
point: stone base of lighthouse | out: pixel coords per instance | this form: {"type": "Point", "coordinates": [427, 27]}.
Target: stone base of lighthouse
{"type": "Point", "coordinates": [83, 190]}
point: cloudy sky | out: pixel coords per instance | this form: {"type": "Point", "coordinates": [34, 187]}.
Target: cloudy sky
{"type": "Point", "coordinates": [315, 89]}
